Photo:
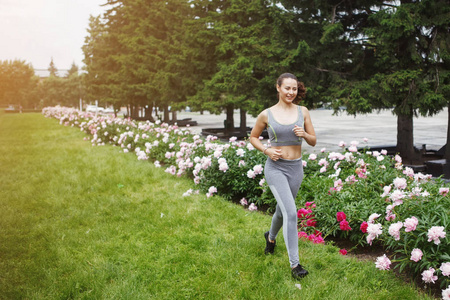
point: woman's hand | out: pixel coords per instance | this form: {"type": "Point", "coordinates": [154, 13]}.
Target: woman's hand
{"type": "Point", "coordinates": [299, 131]}
{"type": "Point", "coordinates": [273, 153]}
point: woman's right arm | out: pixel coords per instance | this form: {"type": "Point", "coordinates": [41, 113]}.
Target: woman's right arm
{"type": "Point", "coordinates": [261, 123]}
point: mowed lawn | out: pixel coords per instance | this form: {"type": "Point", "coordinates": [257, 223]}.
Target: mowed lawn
{"type": "Point", "coordinates": [84, 222]}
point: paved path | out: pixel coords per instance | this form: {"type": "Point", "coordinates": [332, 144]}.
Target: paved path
{"type": "Point", "coordinates": [379, 128]}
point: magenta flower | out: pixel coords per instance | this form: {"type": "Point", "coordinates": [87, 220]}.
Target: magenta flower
{"type": "Point", "coordinates": [302, 235]}
{"type": "Point", "coordinates": [394, 230]}
{"type": "Point", "coordinates": [410, 224]}
{"type": "Point", "coordinates": [343, 252]}
{"type": "Point", "coordinates": [383, 263]}
{"type": "Point", "coordinates": [445, 268]}
{"type": "Point", "coordinates": [312, 204]}
{"type": "Point", "coordinates": [436, 232]}
{"type": "Point", "coordinates": [311, 223]}
{"type": "Point", "coordinates": [303, 213]}
{"type": "Point", "coordinates": [318, 240]}
{"type": "Point", "coordinates": [363, 227]}
{"type": "Point", "coordinates": [343, 225]}
{"type": "Point", "coordinates": [340, 216]}
{"type": "Point", "coordinates": [428, 276]}
{"type": "Point", "coordinates": [416, 254]}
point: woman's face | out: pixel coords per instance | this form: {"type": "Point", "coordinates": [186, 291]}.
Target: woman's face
{"type": "Point", "coordinates": [288, 90]}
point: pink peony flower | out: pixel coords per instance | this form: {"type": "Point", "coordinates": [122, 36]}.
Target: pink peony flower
{"type": "Point", "coordinates": [312, 156]}
{"type": "Point", "coordinates": [223, 167]}
{"type": "Point", "coordinates": [445, 268]}
{"type": "Point", "coordinates": [446, 294]}
{"type": "Point", "coordinates": [252, 207]}
{"type": "Point", "coordinates": [323, 169]}
{"type": "Point", "coordinates": [416, 254]}
{"type": "Point", "coordinates": [343, 225]}
{"type": "Point", "coordinates": [397, 197]}
{"type": "Point", "coordinates": [342, 144]}
{"type": "Point", "coordinates": [409, 172]}
{"type": "Point", "coordinates": [364, 226]}
{"type": "Point", "coordinates": [352, 149]}
{"type": "Point", "coordinates": [398, 158]}
{"type": "Point", "coordinates": [394, 230]}
{"type": "Point", "coordinates": [383, 263]}
{"type": "Point", "coordinates": [340, 216]}
{"type": "Point", "coordinates": [240, 152]}
{"type": "Point", "coordinates": [400, 183]}
{"type": "Point", "coordinates": [410, 224]}
{"type": "Point", "coordinates": [373, 230]}
{"type": "Point", "coordinates": [386, 191]}
{"type": "Point", "coordinates": [258, 169]}
{"type": "Point", "coordinates": [343, 252]}
{"type": "Point", "coordinates": [251, 174]}
{"type": "Point", "coordinates": [443, 191]}
{"type": "Point", "coordinates": [428, 276]}
{"type": "Point", "coordinates": [243, 201]}
{"type": "Point", "coordinates": [373, 217]}
{"type": "Point", "coordinates": [304, 163]}
{"type": "Point", "coordinates": [262, 181]}
{"type": "Point", "coordinates": [436, 232]}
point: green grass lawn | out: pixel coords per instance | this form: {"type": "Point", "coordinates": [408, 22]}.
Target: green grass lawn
{"type": "Point", "coordinates": [84, 222]}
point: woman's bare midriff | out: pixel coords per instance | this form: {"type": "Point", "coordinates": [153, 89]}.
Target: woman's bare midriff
{"type": "Point", "coordinates": [290, 152]}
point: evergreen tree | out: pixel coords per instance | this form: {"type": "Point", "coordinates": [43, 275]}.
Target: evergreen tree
{"type": "Point", "coordinates": [52, 68]}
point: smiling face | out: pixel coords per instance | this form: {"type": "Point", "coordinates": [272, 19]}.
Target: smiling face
{"type": "Point", "coordinates": [287, 92]}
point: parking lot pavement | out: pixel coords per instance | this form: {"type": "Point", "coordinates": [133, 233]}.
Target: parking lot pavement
{"type": "Point", "coordinates": [379, 128]}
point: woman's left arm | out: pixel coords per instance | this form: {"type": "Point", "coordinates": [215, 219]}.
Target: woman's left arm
{"type": "Point", "coordinates": [309, 133]}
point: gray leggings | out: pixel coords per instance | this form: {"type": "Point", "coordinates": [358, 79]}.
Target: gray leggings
{"type": "Point", "coordinates": [284, 178]}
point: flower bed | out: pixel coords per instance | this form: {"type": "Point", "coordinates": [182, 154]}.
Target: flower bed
{"type": "Point", "coordinates": [366, 197]}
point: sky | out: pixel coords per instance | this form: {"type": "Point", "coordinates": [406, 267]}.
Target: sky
{"type": "Point", "coordinates": [37, 30]}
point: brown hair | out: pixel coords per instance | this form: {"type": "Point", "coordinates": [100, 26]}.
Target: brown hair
{"type": "Point", "coordinates": [301, 90]}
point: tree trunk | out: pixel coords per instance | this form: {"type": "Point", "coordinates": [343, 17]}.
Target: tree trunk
{"type": "Point", "coordinates": [174, 116]}
{"type": "Point", "coordinates": [148, 113]}
{"type": "Point", "coordinates": [243, 125]}
{"type": "Point", "coordinates": [229, 122]}
{"type": "Point", "coordinates": [166, 114]}
{"type": "Point", "coordinates": [405, 139]}
{"type": "Point", "coordinates": [447, 146]}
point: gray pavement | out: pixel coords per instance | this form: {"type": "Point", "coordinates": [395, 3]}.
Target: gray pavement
{"type": "Point", "coordinates": [379, 128]}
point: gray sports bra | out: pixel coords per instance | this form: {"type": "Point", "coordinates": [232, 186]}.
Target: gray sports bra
{"type": "Point", "coordinates": [283, 135]}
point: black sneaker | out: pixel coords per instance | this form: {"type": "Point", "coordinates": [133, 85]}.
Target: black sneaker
{"type": "Point", "coordinates": [298, 272]}
{"type": "Point", "coordinates": [270, 247]}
